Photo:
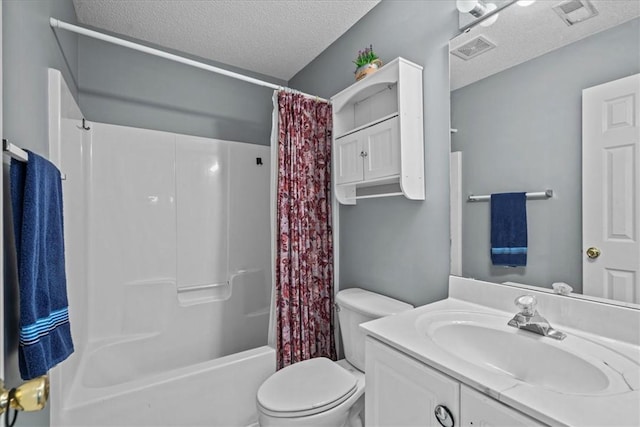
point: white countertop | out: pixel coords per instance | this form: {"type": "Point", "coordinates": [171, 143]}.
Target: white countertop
{"type": "Point", "coordinates": [548, 406]}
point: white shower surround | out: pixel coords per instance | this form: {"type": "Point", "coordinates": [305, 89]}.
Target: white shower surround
{"type": "Point", "coordinates": [151, 217]}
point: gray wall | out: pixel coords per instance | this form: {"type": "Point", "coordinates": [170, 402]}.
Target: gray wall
{"type": "Point", "coordinates": [30, 46]}
{"type": "Point", "coordinates": [520, 130]}
{"type": "Point", "coordinates": [396, 246]}
{"type": "Point", "coordinates": [125, 87]}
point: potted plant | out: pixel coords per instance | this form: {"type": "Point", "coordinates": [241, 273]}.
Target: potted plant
{"type": "Point", "coordinates": [367, 62]}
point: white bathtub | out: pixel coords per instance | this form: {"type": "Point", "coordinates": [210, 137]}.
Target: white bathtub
{"type": "Point", "coordinates": [216, 393]}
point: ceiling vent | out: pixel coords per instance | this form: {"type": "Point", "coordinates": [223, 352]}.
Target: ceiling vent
{"type": "Point", "coordinates": [575, 11]}
{"type": "Point", "coordinates": [473, 48]}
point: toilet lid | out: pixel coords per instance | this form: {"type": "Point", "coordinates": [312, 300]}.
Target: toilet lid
{"type": "Point", "coordinates": [306, 388]}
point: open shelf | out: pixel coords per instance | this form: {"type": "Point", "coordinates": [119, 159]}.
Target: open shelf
{"type": "Point", "coordinates": [367, 125]}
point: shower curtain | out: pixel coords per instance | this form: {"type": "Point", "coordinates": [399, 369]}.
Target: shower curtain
{"type": "Point", "coordinates": [303, 231]}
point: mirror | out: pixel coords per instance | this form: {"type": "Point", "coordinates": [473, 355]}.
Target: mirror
{"type": "Point", "coordinates": [516, 118]}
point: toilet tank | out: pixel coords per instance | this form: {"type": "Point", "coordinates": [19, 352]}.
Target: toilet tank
{"type": "Point", "coordinates": [356, 306]}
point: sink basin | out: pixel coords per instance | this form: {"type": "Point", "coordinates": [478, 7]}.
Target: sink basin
{"type": "Point", "coordinates": [572, 366]}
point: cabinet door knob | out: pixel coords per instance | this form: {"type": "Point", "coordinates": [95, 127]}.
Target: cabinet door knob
{"type": "Point", "coordinates": [363, 154]}
{"type": "Point", "coordinates": [443, 415]}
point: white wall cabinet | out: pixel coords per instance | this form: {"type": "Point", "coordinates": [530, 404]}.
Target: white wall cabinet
{"type": "Point", "coordinates": [378, 135]}
{"type": "Point", "coordinates": [370, 154]}
{"type": "Point", "coordinates": [404, 392]}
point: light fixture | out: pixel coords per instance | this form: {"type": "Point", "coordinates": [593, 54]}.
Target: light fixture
{"type": "Point", "coordinates": [492, 19]}
{"type": "Point", "coordinates": [478, 9]}
{"type": "Point", "coordinates": [525, 3]}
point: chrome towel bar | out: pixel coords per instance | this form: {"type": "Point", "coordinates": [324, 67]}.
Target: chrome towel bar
{"type": "Point", "coordinates": [530, 196]}
{"type": "Point", "coordinates": [19, 154]}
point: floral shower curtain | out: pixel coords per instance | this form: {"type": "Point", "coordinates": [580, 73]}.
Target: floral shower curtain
{"type": "Point", "coordinates": [304, 242]}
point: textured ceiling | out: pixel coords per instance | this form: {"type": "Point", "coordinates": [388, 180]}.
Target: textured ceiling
{"type": "Point", "coordinates": [273, 37]}
{"type": "Point", "coordinates": [523, 33]}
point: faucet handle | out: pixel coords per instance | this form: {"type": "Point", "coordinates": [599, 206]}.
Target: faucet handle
{"type": "Point", "coordinates": [527, 304]}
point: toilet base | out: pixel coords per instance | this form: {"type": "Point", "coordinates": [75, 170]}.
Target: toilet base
{"type": "Point", "coordinates": [335, 417]}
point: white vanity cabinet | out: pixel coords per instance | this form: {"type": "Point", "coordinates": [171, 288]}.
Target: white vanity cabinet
{"type": "Point", "coordinates": [404, 392]}
{"type": "Point", "coordinates": [378, 135]}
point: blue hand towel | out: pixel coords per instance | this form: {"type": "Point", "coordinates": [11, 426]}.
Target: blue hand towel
{"type": "Point", "coordinates": [509, 229]}
{"type": "Point", "coordinates": [36, 198]}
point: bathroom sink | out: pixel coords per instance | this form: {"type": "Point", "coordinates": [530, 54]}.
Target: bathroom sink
{"type": "Point", "coordinates": [571, 366]}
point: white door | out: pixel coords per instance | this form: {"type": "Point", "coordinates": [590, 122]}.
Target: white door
{"type": "Point", "coordinates": [611, 189]}
{"type": "Point", "coordinates": [382, 150]}
{"type": "Point", "coordinates": [348, 158]}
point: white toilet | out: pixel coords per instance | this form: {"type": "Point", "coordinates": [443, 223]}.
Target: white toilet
{"type": "Point", "coordinates": [320, 392]}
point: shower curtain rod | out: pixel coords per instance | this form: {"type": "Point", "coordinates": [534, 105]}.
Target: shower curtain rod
{"type": "Point", "coordinates": [56, 23]}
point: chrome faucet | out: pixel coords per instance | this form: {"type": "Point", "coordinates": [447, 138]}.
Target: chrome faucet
{"type": "Point", "coordinates": [529, 319]}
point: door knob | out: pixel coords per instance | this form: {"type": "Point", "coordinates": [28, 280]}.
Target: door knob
{"type": "Point", "coordinates": [593, 252]}
{"type": "Point", "coordinates": [30, 396]}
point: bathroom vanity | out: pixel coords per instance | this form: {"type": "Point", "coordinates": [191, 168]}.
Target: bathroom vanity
{"type": "Point", "coordinates": [457, 363]}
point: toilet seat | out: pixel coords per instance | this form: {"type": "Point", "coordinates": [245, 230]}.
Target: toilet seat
{"type": "Point", "coordinates": [306, 388]}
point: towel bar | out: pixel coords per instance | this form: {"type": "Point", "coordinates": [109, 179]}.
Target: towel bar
{"type": "Point", "coordinates": [19, 154]}
{"type": "Point", "coordinates": [14, 151]}
{"type": "Point", "coordinates": [530, 196]}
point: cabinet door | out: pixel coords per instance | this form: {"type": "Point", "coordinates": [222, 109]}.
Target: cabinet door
{"type": "Point", "coordinates": [348, 158]}
{"type": "Point", "coordinates": [402, 392]}
{"type": "Point", "coordinates": [382, 148]}
{"type": "Point", "coordinates": [476, 409]}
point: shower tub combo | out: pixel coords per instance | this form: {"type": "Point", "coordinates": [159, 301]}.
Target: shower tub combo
{"type": "Point", "coordinates": [169, 279]}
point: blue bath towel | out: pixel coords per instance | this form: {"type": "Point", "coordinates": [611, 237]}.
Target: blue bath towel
{"type": "Point", "coordinates": [36, 199]}
{"type": "Point", "coordinates": [509, 229]}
